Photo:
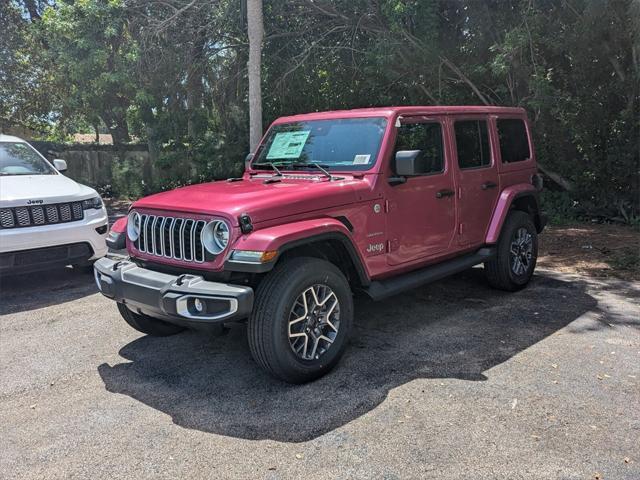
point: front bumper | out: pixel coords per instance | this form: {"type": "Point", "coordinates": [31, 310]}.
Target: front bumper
{"type": "Point", "coordinates": [92, 230]}
{"type": "Point", "coordinates": [172, 297]}
{"type": "Point", "coordinates": [33, 260]}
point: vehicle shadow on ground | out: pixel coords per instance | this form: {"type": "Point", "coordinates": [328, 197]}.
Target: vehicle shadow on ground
{"type": "Point", "coordinates": [458, 328]}
{"type": "Point", "coordinates": [20, 293]}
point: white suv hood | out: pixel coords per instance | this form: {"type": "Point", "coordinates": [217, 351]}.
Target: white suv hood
{"type": "Point", "coordinates": [16, 190]}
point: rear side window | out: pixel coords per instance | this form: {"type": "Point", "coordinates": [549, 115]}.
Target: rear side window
{"type": "Point", "coordinates": [514, 144]}
{"type": "Point", "coordinates": [426, 137]}
{"type": "Point", "coordinates": [472, 142]}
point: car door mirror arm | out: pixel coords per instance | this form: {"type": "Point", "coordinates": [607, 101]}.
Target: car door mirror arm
{"type": "Point", "coordinates": [397, 180]}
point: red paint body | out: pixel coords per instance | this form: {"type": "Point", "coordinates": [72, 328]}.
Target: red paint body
{"type": "Point", "coordinates": [396, 228]}
{"type": "Point", "coordinates": [120, 225]}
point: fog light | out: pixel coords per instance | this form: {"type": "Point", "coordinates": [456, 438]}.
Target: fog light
{"type": "Point", "coordinates": [198, 305]}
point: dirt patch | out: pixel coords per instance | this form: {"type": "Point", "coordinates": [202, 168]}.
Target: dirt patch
{"type": "Point", "coordinates": [592, 249]}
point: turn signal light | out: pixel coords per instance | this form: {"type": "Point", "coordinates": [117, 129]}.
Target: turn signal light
{"type": "Point", "coordinates": [253, 256]}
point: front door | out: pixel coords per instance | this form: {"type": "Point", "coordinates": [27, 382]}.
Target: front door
{"type": "Point", "coordinates": [421, 216]}
{"type": "Point", "coordinates": [478, 187]}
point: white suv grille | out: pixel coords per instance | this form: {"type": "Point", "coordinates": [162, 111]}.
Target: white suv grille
{"type": "Point", "coordinates": [171, 237]}
{"type": "Point", "coordinates": [32, 216]}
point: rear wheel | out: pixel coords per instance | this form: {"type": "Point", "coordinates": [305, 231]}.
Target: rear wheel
{"type": "Point", "coordinates": [300, 323]}
{"type": "Point", "coordinates": [146, 324]}
{"type": "Point", "coordinates": [517, 253]}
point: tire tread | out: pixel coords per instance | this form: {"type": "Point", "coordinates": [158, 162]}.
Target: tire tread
{"type": "Point", "coordinates": [146, 324]}
{"type": "Point", "coordinates": [263, 317]}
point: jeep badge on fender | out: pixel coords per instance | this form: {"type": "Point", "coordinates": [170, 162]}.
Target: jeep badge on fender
{"type": "Point", "coordinates": [285, 246]}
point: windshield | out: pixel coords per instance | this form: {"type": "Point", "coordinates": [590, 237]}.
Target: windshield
{"type": "Point", "coordinates": [339, 144]}
{"type": "Point", "coordinates": [18, 158]}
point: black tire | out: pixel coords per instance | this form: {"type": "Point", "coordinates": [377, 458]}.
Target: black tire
{"type": "Point", "coordinates": [268, 327]}
{"type": "Point", "coordinates": [85, 267]}
{"type": "Point", "coordinates": [500, 271]}
{"type": "Point", "coordinates": [146, 324]}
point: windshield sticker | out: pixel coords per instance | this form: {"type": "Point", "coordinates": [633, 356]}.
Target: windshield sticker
{"type": "Point", "coordinates": [288, 144]}
{"type": "Point", "coordinates": [361, 159]}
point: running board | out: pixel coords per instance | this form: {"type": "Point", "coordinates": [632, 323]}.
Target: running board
{"type": "Point", "coordinates": [379, 290]}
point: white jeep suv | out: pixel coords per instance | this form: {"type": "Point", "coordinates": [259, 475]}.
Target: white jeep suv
{"type": "Point", "coordinates": [46, 219]}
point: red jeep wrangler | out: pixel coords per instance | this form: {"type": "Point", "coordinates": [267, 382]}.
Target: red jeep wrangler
{"type": "Point", "coordinates": [373, 200]}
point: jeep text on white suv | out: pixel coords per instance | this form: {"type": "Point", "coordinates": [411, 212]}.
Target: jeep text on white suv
{"type": "Point", "coordinates": [46, 219]}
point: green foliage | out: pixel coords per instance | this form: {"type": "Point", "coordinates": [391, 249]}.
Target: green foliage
{"type": "Point", "coordinates": [560, 207]}
{"type": "Point", "coordinates": [127, 181]}
{"type": "Point", "coordinates": [173, 74]}
{"type": "Point", "coordinates": [91, 56]}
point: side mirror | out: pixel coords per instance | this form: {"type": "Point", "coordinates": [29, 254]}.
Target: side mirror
{"type": "Point", "coordinates": [247, 160]}
{"type": "Point", "coordinates": [406, 164]}
{"type": "Point", "coordinates": [60, 164]}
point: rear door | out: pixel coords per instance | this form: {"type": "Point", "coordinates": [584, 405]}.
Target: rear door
{"type": "Point", "coordinates": [476, 168]}
{"type": "Point", "coordinates": [421, 215]}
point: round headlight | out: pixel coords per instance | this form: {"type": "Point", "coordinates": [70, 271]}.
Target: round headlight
{"type": "Point", "coordinates": [215, 236]}
{"type": "Point", "coordinates": [133, 226]}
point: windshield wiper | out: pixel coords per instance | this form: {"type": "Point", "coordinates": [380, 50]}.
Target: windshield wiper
{"type": "Point", "coordinates": [269, 164]}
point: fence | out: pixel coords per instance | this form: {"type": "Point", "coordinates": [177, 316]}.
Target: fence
{"type": "Point", "coordinates": [94, 164]}
{"type": "Point", "coordinates": [125, 170]}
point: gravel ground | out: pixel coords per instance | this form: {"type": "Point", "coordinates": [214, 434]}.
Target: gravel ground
{"type": "Point", "coordinates": [449, 381]}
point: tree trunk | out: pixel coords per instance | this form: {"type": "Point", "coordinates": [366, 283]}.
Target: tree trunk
{"type": "Point", "coordinates": [119, 133]}
{"type": "Point", "coordinates": [195, 73]}
{"type": "Point", "coordinates": [32, 9]}
{"type": "Point", "coordinates": [255, 30]}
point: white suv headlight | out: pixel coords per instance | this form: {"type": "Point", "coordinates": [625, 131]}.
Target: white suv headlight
{"type": "Point", "coordinates": [215, 236]}
{"type": "Point", "coordinates": [95, 203]}
{"type": "Point", "coordinates": [133, 226]}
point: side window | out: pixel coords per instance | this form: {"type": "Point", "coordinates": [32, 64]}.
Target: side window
{"type": "Point", "coordinates": [426, 137]}
{"type": "Point", "coordinates": [514, 144]}
{"type": "Point", "coordinates": [472, 142]}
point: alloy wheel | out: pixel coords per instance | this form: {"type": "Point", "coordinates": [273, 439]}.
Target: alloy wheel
{"type": "Point", "coordinates": [521, 251]}
{"type": "Point", "coordinates": [314, 322]}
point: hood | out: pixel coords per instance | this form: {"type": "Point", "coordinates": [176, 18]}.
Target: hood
{"type": "Point", "coordinates": [262, 201]}
{"type": "Point", "coordinates": [16, 190]}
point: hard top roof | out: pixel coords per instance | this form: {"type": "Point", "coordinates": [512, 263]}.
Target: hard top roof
{"type": "Point", "coordinates": [390, 112]}
{"type": "Point", "coordinates": [10, 138]}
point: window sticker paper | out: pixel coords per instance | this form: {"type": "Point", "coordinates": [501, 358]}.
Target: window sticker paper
{"type": "Point", "coordinates": [361, 159]}
{"type": "Point", "coordinates": [288, 144]}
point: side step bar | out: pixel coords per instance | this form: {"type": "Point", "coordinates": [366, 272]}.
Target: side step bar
{"type": "Point", "coordinates": [379, 290]}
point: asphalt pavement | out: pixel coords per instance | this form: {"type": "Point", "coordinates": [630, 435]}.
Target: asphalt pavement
{"type": "Point", "coordinates": [450, 381]}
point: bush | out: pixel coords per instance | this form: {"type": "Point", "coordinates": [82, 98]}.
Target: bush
{"type": "Point", "coordinates": [127, 180]}
{"type": "Point", "coordinates": [209, 158]}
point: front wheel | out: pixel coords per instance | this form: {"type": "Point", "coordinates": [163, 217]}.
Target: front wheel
{"type": "Point", "coordinates": [300, 323]}
{"type": "Point", "coordinates": [146, 324]}
{"type": "Point", "coordinates": [83, 267]}
{"type": "Point", "coordinates": [517, 253]}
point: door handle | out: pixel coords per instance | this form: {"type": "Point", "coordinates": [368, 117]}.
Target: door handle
{"type": "Point", "coordinates": [488, 185]}
{"type": "Point", "coordinates": [444, 193]}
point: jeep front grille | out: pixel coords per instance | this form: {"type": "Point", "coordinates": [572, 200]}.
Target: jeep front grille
{"type": "Point", "coordinates": [171, 237]}
{"type": "Point", "coordinates": [36, 215]}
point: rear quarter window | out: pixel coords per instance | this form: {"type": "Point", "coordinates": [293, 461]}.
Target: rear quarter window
{"type": "Point", "coordinates": [514, 143]}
